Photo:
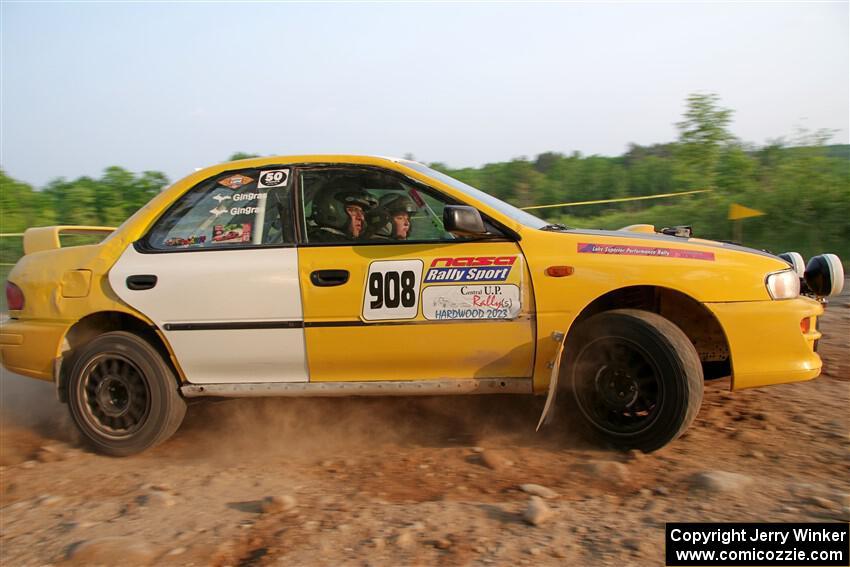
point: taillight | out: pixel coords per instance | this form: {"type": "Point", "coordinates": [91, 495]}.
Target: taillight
{"type": "Point", "coordinates": [14, 297]}
{"type": "Point", "coordinates": [805, 325]}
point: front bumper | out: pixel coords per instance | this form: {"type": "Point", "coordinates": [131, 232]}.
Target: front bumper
{"type": "Point", "coordinates": [766, 342]}
{"type": "Point", "coordinates": [30, 348]}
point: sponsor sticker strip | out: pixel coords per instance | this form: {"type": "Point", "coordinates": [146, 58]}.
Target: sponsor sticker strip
{"type": "Point", "coordinates": [628, 250]}
{"type": "Point", "coordinates": [235, 181]}
{"type": "Point", "coordinates": [236, 197]}
{"type": "Point", "coordinates": [394, 289]}
{"type": "Point", "coordinates": [232, 233]}
{"type": "Point", "coordinates": [190, 240]}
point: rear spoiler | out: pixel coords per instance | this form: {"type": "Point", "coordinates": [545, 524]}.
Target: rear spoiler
{"type": "Point", "coordinates": [47, 237]}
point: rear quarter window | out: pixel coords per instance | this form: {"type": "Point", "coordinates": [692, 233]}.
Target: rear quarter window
{"type": "Point", "coordinates": [249, 207]}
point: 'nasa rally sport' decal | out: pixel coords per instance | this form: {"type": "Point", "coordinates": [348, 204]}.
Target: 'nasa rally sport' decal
{"type": "Point", "coordinates": [392, 290]}
{"type": "Point", "coordinates": [491, 301]}
{"type": "Point", "coordinates": [273, 178]}
{"type": "Point", "coordinates": [470, 269]}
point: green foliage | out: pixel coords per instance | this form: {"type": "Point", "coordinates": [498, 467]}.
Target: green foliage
{"type": "Point", "coordinates": [107, 201]}
{"type": "Point", "coordinates": [242, 155]}
{"type": "Point", "coordinates": [703, 135]}
{"type": "Point", "coordinates": [735, 171]}
{"type": "Point", "coordinates": [651, 175]}
{"type": "Point", "coordinates": [805, 193]}
{"type": "Point", "coordinates": [20, 208]}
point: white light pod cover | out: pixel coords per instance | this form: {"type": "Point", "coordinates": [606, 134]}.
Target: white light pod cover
{"type": "Point", "coordinates": [796, 260]}
{"type": "Point", "coordinates": [825, 275]}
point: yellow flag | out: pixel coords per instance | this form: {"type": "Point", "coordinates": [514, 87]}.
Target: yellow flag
{"type": "Point", "coordinates": [741, 212]}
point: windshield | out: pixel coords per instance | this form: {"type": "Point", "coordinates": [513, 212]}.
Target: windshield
{"type": "Point", "coordinates": [516, 214]}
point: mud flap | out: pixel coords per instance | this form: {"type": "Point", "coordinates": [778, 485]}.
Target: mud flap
{"type": "Point", "coordinates": [546, 416]}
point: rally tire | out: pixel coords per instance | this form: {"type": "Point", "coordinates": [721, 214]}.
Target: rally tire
{"type": "Point", "coordinates": [123, 396]}
{"type": "Point", "coordinates": [635, 378]}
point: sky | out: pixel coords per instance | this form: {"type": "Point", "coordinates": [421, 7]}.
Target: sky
{"type": "Point", "coordinates": [173, 86]}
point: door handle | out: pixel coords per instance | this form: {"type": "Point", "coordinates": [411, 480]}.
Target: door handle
{"type": "Point", "coordinates": [141, 282]}
{"type": "Point", "coordinates": [328, 278]}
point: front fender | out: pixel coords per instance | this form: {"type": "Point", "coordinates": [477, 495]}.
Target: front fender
{"type": "Point", "coordinates": [704, 271]}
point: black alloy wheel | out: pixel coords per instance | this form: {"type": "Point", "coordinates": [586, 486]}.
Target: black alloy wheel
{"type": "Point", "coordinates": [625, 391]}
{"type": "Point", "coordinates": [635, 377]}
{"type": "Point", "coordinates": [117, 398]}
{"type": "Point", "coordinates": [122, 395]}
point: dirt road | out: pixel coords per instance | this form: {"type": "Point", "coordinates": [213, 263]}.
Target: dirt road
{"type": "Point", "coordinates": [417, 482]}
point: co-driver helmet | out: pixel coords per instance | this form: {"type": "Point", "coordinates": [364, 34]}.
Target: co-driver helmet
{"type": "Point", "coordinates": [379, 220]}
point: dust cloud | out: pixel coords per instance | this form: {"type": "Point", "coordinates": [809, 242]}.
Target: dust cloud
{"type": "Point", "coordinates": [297, 428]}
{"type": "Point", "coordinates": [28, 402]}
{"type": "Point", "coordinates": [315, 428]}
{"type": "Point", "coordinates": [31, 417]}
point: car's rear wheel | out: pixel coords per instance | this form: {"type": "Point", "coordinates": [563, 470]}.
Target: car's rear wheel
{"type": "Point", "coordinates": [123, 396]}
{"type": "Point", "coordinates": [635, 377]}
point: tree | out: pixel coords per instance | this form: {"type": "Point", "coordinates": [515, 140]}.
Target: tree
{"type": "Point", "coordinates": [515, 181]}
{"type": "Point", "coordinates": [546, 161]}
{"type": "Point", "coordinates": [115, 190]}
{"type": "Point", "coordinates": [242, 155]}
{"type": "Point", "coordinates": [651, 175]}
{"type": "Point", "coordinates": [703, 134]}
{"type": "Point", "coordinates": [75, 202]}
{"type": "Point", "coordinates": [737, 171]}
{"type": "Point", "coordinates": [20, 208]}
{"type": "Point", "coordinates": [636, 153]}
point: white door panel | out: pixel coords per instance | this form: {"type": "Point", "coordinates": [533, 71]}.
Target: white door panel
{"type": "Point", "coordinates": [213, 285]}
{"type": "Point", "coordinates": [199, 294]}
{"type": "Point", "coordinates": [241, 355]}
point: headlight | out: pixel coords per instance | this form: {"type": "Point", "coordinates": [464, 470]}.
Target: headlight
{"type": "Point", "coordinates": [783, 285]}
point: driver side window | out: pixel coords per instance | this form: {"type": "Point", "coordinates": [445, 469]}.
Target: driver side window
{"type": "Point", "coordinates": [362, 205]}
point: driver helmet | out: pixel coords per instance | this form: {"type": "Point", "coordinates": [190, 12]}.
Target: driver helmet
{"type": "Point", "coordinates": [379, 219]}
{"type": "Point", "coordinates": [329, 205]}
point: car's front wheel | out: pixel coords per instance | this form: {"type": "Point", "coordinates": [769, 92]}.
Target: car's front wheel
{"type": "Point", "coordinates": [635, 377]}
{"type": "Point", "coordinates": [123, 396]}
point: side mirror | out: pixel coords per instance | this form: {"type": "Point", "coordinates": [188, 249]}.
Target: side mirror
{"type": "Point", "coordinates": [464, 221]}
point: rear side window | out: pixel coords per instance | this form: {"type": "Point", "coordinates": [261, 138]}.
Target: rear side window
{"type": "Point", "coordinates": [249, 207]}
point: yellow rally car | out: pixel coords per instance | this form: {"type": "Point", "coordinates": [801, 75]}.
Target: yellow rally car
{"type": "Point", "coordinates": [340, 275]}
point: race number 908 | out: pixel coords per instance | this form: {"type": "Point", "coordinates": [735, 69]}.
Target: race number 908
{"type": "Point", "coordinates": [392, 290]}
